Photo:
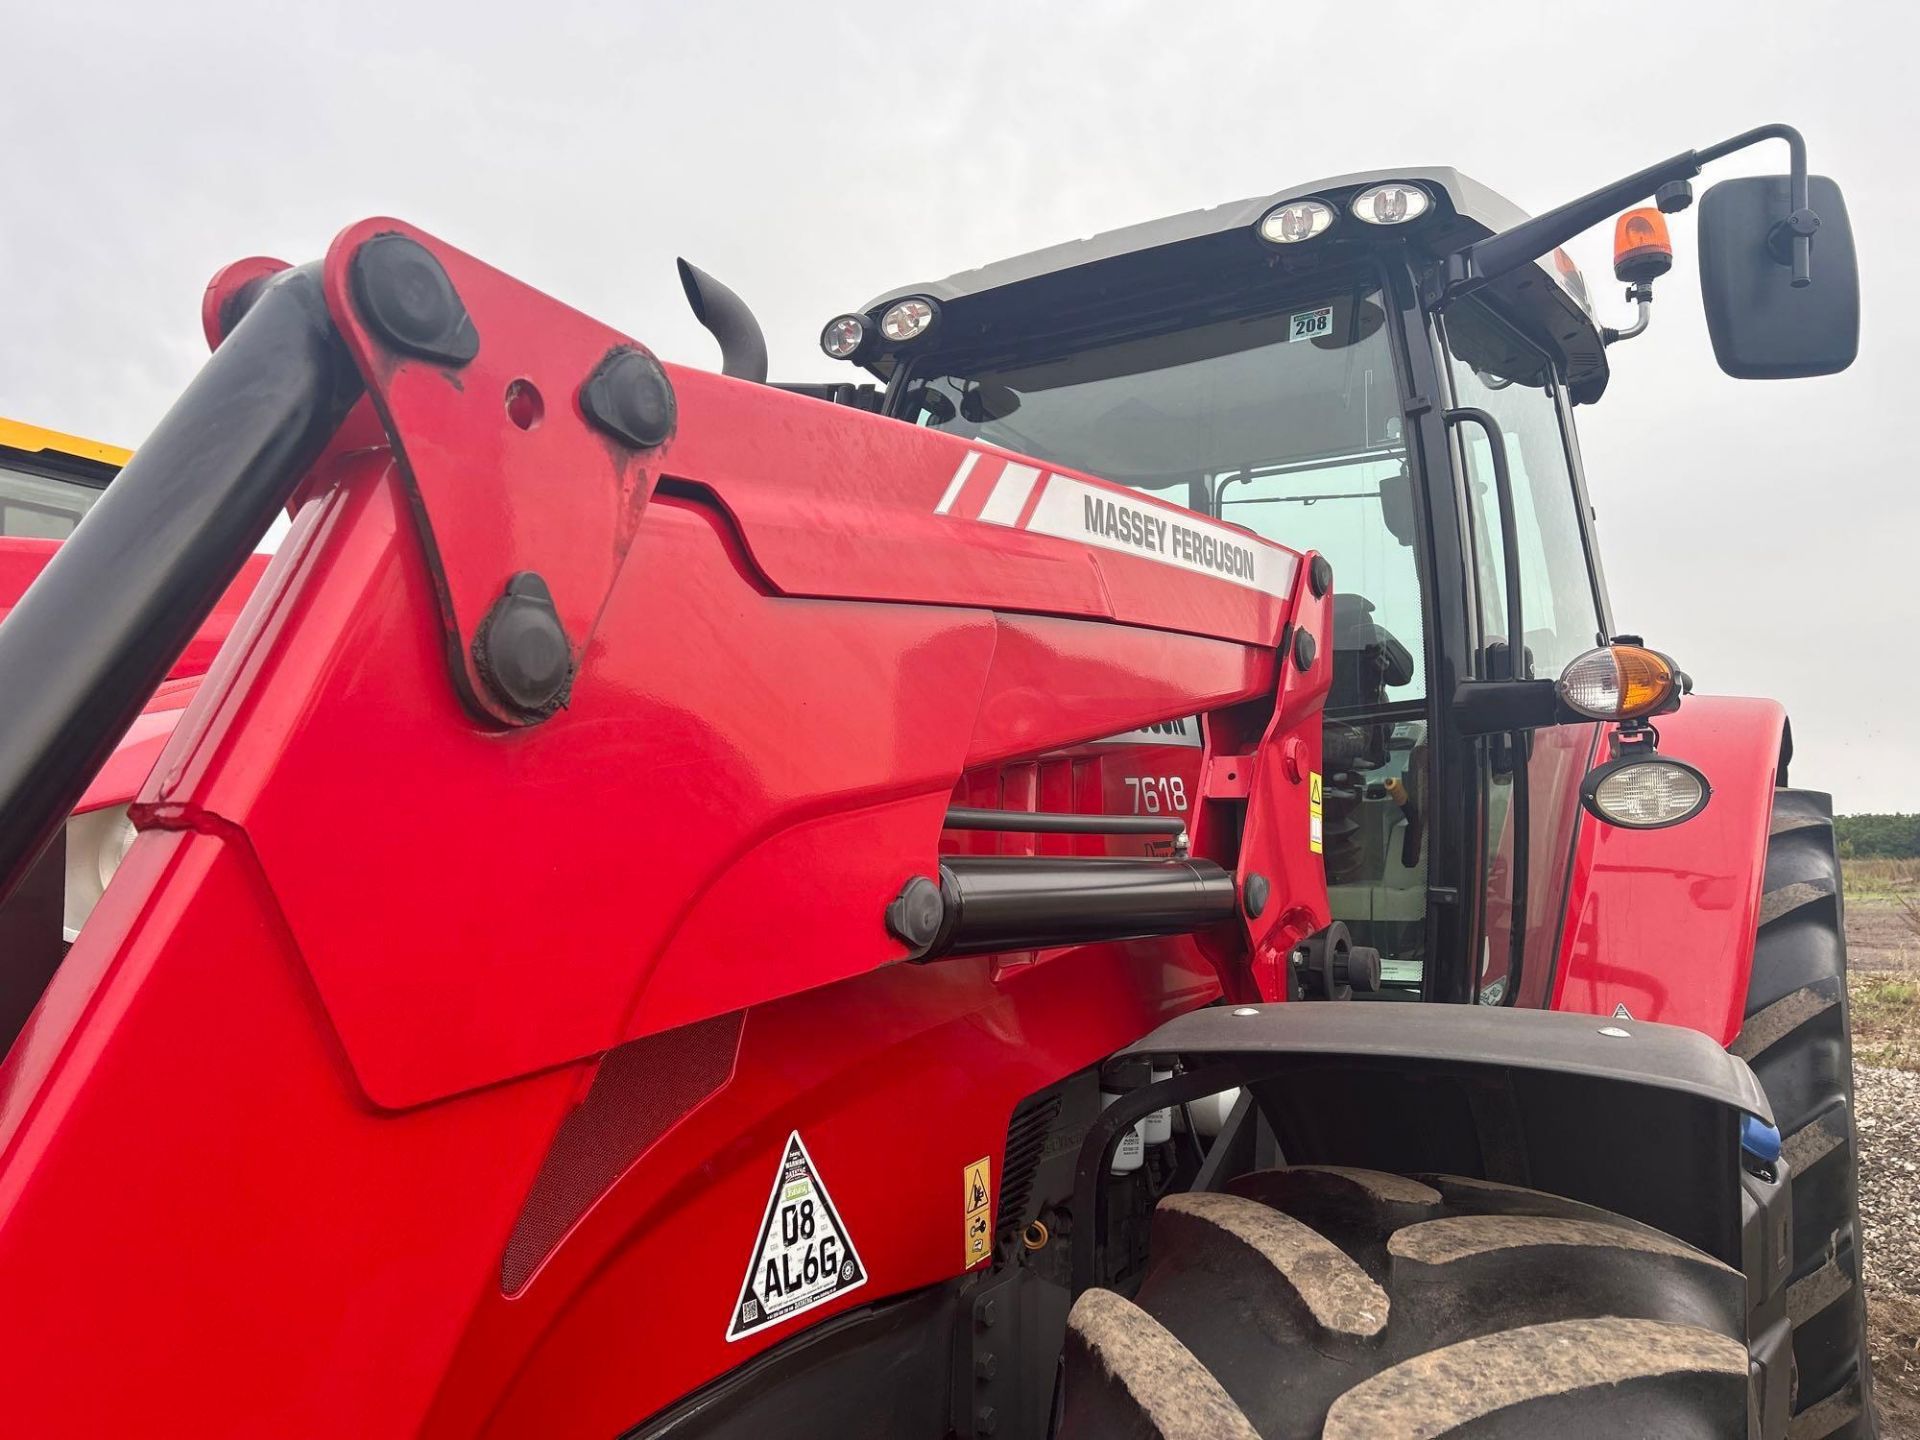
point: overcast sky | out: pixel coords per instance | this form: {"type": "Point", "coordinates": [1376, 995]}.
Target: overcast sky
{"type": "Point", "coordinates": [811, 156]}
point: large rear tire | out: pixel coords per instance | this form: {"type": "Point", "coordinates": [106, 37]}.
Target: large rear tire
{"type": "Point", "coordinates": [1319, 1303]}
{"type": "Point", "coordinates": [1797, 1038]}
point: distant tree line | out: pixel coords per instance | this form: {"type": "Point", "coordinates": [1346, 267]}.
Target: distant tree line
{"type": "Point", "coordinates": [1873, 837]}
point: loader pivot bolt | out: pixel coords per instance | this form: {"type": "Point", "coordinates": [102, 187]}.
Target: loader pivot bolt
{"type": "Point", "coordinates": [1258, 888]}
{"type": "Point", "coordinates": [521, 649]}
{"type": "Point", "coordinates": [1304, 649]}
{"type": "Point", "coordinates": [404, 295]}
{"type": "Point", "coordinates": [629, 396]}
{"type": "Point", "coordinates": [1319, 576]}
{"type": "Point", "coordinates": [914, 916]}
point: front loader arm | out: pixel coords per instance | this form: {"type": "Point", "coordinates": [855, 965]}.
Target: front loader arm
{"type": "Point", "coordinates": [716, 739]}
{"type": "Point", "coordinates": [434, 837]}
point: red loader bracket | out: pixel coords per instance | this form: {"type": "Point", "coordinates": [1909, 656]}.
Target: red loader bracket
{"type": "Point", "coordinates": [528, 436]}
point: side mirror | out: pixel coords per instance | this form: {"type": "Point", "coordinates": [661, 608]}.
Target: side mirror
{"type": "Point", "coordinates": [1764, 327]}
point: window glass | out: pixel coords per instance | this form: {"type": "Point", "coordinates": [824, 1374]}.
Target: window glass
{"type": "Point", "coordinates": [1557, 601]}
{"type": "Point", "coordinates": [1494, 372]}
{"type": "Point", "coordinates": [1161, 412]}
{"type": "Point", "coordinates": [1289, 424]}
{"type": "Point", "coordinates": [1358, 513]}
{"type": "Point", "coordinates": [41, 507]}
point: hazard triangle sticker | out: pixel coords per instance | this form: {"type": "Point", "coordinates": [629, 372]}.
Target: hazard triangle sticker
{"type": "Point", "coordinates": [804, 1256]}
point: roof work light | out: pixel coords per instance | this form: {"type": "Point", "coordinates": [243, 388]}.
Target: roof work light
{"type": "Point", "coordinates": [1394, 203]}
{"type": "Point", "coordinates": [1295, 221]}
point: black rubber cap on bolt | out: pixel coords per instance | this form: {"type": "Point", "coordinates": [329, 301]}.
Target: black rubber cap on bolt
{"type": "Point", "coordinates": [409, 303]}
{"type": "Point", "coordinates": [630, 398]}
{"type": "Point", "coordinates": [1304, 649]}
{"type": "Point", "coordinates": [521, 649]}
{"type": "Point", "coordinates": [1255, 894]}
{"type": "Point", "coordinates": [915, 915]}
{"type": "Point", "coordinates": [1319, 576]}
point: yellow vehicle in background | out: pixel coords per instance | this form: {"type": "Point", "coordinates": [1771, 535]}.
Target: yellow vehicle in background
{"type": "Point", "coordinates": [48, 480]}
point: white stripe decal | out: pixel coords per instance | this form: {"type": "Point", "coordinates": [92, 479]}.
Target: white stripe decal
{"type": "Point", "coordinates": [1096, 515]}
{"type": "Point", "coordinates": [1009, 496]}
{"type": "Point", "coordinates": [954, 485]}
{"type": "Point", "coordinates": [1168, 732]}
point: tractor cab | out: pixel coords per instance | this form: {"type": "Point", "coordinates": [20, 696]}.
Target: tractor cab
{"type": "Point", "coordinates": [48, 481]}
{"type": "Point", "coordinates": [1334, 368]}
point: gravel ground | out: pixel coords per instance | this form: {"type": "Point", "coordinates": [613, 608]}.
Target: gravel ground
{"type": "Point", "coordinates": [1883, 946]}
{"type": "Point", "coordinates": [1887, 1110]}
{"type": "Point", "coordinates": [1888, 1107]}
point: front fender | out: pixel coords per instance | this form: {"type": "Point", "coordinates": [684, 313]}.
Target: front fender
{"type": "Point", "coordinates": [1662, 921]}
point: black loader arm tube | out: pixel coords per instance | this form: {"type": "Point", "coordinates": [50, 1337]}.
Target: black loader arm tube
{"type": "Point", "coordinates": [991, 903]}
{"type": "Point", "coordinates": [98, 630]}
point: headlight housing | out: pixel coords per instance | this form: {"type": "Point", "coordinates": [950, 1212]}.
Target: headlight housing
{"type": "Point", "coordinates": [1645, 792]}
{"type": "Point", "coordinates": [909, 319]}
{"type": "Point", "coordinates": [1619, 682]}
{"type": "Point", "coordinates": [847, 337]}
{"type": "Point", "coordinates": [1394, 203]}
{"type": "Point", "coordinates": [1295, 221]}
{"type": "Point", "coordinates": [97, 841]}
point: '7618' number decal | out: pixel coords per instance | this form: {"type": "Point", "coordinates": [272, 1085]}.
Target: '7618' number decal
{"type": "Point", "coordinates": [1157, 794]}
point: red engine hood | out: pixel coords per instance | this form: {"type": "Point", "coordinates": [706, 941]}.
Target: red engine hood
{"type": "Point", "coordinates": [22, 560]}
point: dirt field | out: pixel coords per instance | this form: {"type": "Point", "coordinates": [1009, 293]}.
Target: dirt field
{"type": "Point", "coordinates": [1883, 942]}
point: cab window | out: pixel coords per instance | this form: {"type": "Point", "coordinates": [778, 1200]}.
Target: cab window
{"type": "Point", "coordinates": [41, 507]}
{"type": "Point", "coordinates": [1287, 421]}
{"type": "Point", "coordinates": [1493, 370]}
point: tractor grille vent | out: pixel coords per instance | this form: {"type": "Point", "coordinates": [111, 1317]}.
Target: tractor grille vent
{"type": "Point", "coordinates": [1027, 1135]}
{"type": "Point", "coordinates": [641, 1090]}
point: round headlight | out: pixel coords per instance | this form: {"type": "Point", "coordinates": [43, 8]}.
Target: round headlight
{"type": "Point", "coordinates": [1645, 794]}
{"type": "Point", "coordinates": [1394, 203]}
{"type": "Point", "coordinates": [846, 336]}
{"type": "Point", "coordinates": [97, 842]}
{"type": "Point", "coordinates": [1618, 682]}
{"type": "Point", "coordinates": [907, 320]}
{"type": "Point", "coordinates": [1295, 221]}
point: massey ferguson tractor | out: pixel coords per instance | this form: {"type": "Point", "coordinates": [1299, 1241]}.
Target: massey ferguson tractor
{"type": "Point", "coordinates": [1112, 876]}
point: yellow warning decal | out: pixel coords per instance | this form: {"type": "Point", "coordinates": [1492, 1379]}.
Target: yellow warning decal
{"type": "Point", "coordinates": [1313, 811]}
{"type": "Point", "coordinates": [978, 1184]}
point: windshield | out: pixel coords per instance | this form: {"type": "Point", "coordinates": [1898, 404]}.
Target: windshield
{"type": "Point", "coordinates": [1288, 423]}
{"type": "Point", "coordinates": [40, 506]}
{"type": "Point", "coordinates": [1164, 411]}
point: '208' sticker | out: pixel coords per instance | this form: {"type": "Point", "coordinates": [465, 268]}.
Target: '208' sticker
{"type": "Point", "coordinates": [1310, 324]}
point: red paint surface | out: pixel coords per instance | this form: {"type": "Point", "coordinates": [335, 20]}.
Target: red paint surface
{"type": "Point", "coordinates": [265, 1140]}
{"type": "Point", "coordinates": [1662, 921]}
{"type": "Point", "coordinates": [22, 560]}
{"type": "Point", "coordinates": [284, 1101]}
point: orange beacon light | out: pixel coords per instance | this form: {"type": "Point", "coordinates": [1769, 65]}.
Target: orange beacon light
{"type": "Point", "coordinates": [1641, 249]}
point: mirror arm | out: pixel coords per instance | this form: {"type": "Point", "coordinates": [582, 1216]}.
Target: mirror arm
{"type": "Point", "coordinates": [1506, 252]}
{"type": "Point", "coordinates": [1792, 239]}
{"type": "Point", "coordinates": [1499, 707]}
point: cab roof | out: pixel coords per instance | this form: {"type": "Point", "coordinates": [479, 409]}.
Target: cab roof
{"type": "Point", "coordinates": [1468, 198]}
{"type": "Point", "coordinates": [1468, 211]}
{"type": "Point", "coordinates": [90, 461]}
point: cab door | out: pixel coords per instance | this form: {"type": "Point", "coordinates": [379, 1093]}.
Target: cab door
{"type": "Point", "coordinates": [1528, 782]}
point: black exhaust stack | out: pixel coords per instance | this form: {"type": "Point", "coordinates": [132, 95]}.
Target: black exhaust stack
{"type": "Point", "coordinates": [743, 348]}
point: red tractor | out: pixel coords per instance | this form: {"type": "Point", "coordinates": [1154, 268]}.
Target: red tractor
{"type": "Point", "coordinates": [691, 907]}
